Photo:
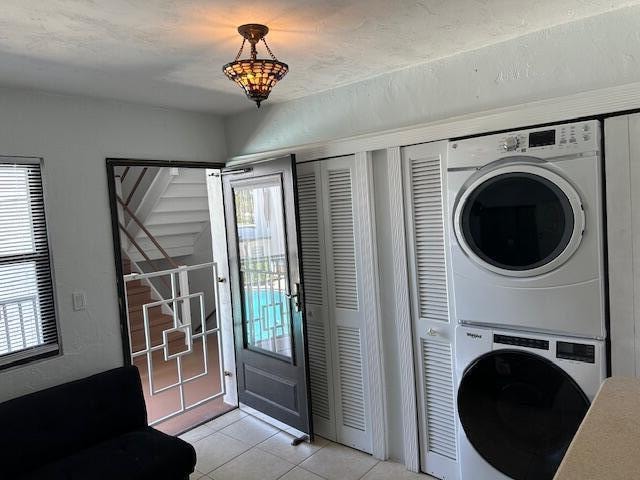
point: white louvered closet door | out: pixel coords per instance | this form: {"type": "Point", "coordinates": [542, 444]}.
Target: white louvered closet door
{"type": "Point", "coordinates": [344, 282]}
{"type": "Point", "coordinates": [316, 302]}
{"type": "Point", "coordinates": [424, 171]}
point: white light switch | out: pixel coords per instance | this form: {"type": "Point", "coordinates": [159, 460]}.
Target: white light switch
{"type": "Point", "coordinates": [79, 301]}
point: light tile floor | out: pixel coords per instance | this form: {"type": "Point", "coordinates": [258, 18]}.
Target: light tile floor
{"type": "Point", "coordinates": [238, 446]}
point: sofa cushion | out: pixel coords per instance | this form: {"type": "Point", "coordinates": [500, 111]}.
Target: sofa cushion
{"type": "Point", "coordinates": [144, 454]}
{"type": "Point", "coordinates": [48, 425]}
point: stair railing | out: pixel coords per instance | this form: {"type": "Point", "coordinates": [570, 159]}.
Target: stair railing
{"type": "Point", "coordinates": [136, 185]}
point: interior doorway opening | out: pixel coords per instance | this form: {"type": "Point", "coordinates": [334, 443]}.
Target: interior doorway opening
{"type": "Point", "coordinates": [168, 286]}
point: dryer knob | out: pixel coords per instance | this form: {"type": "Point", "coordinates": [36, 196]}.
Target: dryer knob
{"type": "Point", "coordinates": [510, 143]}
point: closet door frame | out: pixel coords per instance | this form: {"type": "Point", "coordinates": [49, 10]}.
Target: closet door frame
{"type": "Point", "coordinates": [403, 322]}
{"type": "Point", "coordinates": [364, 213]}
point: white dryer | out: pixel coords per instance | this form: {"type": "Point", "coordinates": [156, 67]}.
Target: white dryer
{"type": "Point", "coordinates": [520, 400]}
{"type": "Point", "coordinates": [527, 230]}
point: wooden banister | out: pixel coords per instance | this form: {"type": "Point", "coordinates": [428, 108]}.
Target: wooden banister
{"type": "Point", "coordinates": [146, 231]}
{"type": "Point", "coordinates": [135, 185]}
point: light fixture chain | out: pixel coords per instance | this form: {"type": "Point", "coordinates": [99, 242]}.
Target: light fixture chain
{"type": "Point", "coordinates": [269, 50]}
{"type": "Point", "coordinates": [240, 51]}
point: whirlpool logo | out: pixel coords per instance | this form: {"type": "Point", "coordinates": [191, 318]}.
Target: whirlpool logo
{"type": "Point", "coordinates": [475, 336]}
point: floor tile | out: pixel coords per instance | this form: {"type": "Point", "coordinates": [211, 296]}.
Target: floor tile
{"type": "Point", "coordinates": [196, 475]}
{"type": "Point", "coordinates": [300, 474]}
{"type": "Point", "coordinates": [226, 419]}
{"type": "Point", "coordinates": [217, 449]}
{"type": "Point", "coordinates": [319, 441]}
{"type": "Point", "coordinates": [280, 445]}
{"type": "Point", "coordinates": [336, 462]}
{"type": "Point", "coordinates": [250, 430]}
{"type": "Point", "coordinates": [196, 434]}
{"type": "Point", "coordinates": [387, 470]}
{"type": "Point", "coordinates": [255, 464]}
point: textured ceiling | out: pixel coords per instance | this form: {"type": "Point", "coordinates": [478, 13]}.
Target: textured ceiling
{"type": "Point", "coordinates": [170, 53]}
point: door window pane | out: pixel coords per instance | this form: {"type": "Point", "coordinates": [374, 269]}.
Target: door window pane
{"type": "Point", "coordinates": [264, 281]}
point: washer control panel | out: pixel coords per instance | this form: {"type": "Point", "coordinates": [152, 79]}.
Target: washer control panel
{"type": "Point", "coordinates": [521, 341]}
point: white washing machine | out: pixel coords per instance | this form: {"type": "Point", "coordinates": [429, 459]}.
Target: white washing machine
{"type": "Point", "coordinates": [527, 230]}
{"type": "Point", "coordinates": [520, 399]}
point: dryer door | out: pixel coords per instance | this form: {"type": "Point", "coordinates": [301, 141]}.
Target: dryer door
{"type": "Point", "coordinates": [520, 412]}
{"type": "Point", "coordinates": [519, 220]}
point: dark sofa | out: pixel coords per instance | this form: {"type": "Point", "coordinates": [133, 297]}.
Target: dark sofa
{"type": "Point", "coordinates": [94, 428]}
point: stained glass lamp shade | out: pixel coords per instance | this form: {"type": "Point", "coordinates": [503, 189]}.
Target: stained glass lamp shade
{"type": "Point", "coordinates": [256, 76]}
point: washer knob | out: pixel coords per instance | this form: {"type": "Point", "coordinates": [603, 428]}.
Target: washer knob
{"type": "Point", "coordinates": [511, 143]}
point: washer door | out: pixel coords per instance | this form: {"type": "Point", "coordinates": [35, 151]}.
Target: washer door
{"type": "Point", "coordinates": [520, 412]}
{"type": "Point", "coordinates": [519, 220]}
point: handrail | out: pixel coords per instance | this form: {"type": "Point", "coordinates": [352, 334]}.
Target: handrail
{"type": "Point", "coordinates": [185, 268]}
{"type": "Point", "coordinates": [135, 185]}
{"type": "Point", "coordinates": [146, 231]}
{"type": "Point", "coordinates": [144, 255]}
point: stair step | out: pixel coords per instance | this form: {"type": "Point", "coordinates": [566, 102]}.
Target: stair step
{"type": "Point", "coordinates": [137, 336]}
{"type": "Point", "coordinates": [138, 299]}
{"type": "Point", "coordinates": [184, 204]}
{"type": "Point", "coordinates": [160, 230]}
{"type": "Point", "coordinates": [190, 175]}
{"type": "Point", "coordinates": [136, 318]}
{"type": "Point", "coordinates": [156, 218]}
{"type": "Point", "coordinates": [168, 241]}
{"type": "Point", "coordinates": [182, 190]}
{"type": "Point", "coordinates": [154, 254]}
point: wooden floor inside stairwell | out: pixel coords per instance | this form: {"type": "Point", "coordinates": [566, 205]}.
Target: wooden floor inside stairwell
{"type": "Point", "coordinates": [165, 373]}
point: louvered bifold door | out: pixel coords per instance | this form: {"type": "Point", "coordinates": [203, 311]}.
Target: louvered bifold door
{"type": "Point", "coordinates": [311, 225]}
{"type": "Point", "coordinates": [353, 423]}
{"type": "Point", "coordinates": [424, 170]}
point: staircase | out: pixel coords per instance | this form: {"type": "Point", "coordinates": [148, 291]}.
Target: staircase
{"type": "Point", "coordinates": [174, 208]}
{"type": "Point", "coordinates": [139, 294]}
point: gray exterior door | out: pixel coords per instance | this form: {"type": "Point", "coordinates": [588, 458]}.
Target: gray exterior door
{"type": "Point", "coordinates": [261, 214]}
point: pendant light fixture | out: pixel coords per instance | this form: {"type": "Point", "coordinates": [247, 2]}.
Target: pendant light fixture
{"type": "Point", "coordinates": [256, 76]}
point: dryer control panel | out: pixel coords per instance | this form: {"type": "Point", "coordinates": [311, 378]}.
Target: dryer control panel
{"type": "Point", "coordinates": [561, 138]}
{"type": "Point", "coordinates": [542, 142]}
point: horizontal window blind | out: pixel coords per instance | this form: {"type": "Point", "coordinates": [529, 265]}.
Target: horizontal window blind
{"type": "Point", "coordinates": [27, 314]}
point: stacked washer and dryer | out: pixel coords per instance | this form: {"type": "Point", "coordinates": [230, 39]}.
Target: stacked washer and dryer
{"type": "Point", "coordinates": [527, 263]}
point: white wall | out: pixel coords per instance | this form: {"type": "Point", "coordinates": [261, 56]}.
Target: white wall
{"type": "Point", "coordinates": [74, 135]}
{"type": "Point", "coordinates": [588, 54]}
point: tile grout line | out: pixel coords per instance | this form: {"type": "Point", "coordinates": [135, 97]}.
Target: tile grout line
{"type": "Point", "coordinates": [251, 447]}
{"type": "Point", "coordinates": [372, 467]}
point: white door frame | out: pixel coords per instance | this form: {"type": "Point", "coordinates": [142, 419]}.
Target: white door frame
{"type": "Point", "coordinates": [368, 248]}
{"type": "Point", "coordinates": [220, 255]}
{"type": "Point", "coordinates": [404, 330]}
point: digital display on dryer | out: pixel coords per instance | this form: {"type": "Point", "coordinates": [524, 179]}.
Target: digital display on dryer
{"type": "Point", "coordinates": [576, 351]}
{"type": "Point", "coordinates": [541, 139]}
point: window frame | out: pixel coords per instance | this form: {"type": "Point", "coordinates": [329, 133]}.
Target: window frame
{"type": "Point", "coordinates": [43, 351]}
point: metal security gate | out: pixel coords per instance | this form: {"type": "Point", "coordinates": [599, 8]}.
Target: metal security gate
{"type": "Point", "coordinates": [174, 340]}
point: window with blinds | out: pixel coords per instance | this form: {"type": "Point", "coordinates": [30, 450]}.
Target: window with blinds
{"type": "Point", "coordinates": [28, 328]}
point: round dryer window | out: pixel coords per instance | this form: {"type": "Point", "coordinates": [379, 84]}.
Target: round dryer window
{"type": "Point", "coordinates": [519, 220]}
{"type": "Point", "coordinates": [520, 412]}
